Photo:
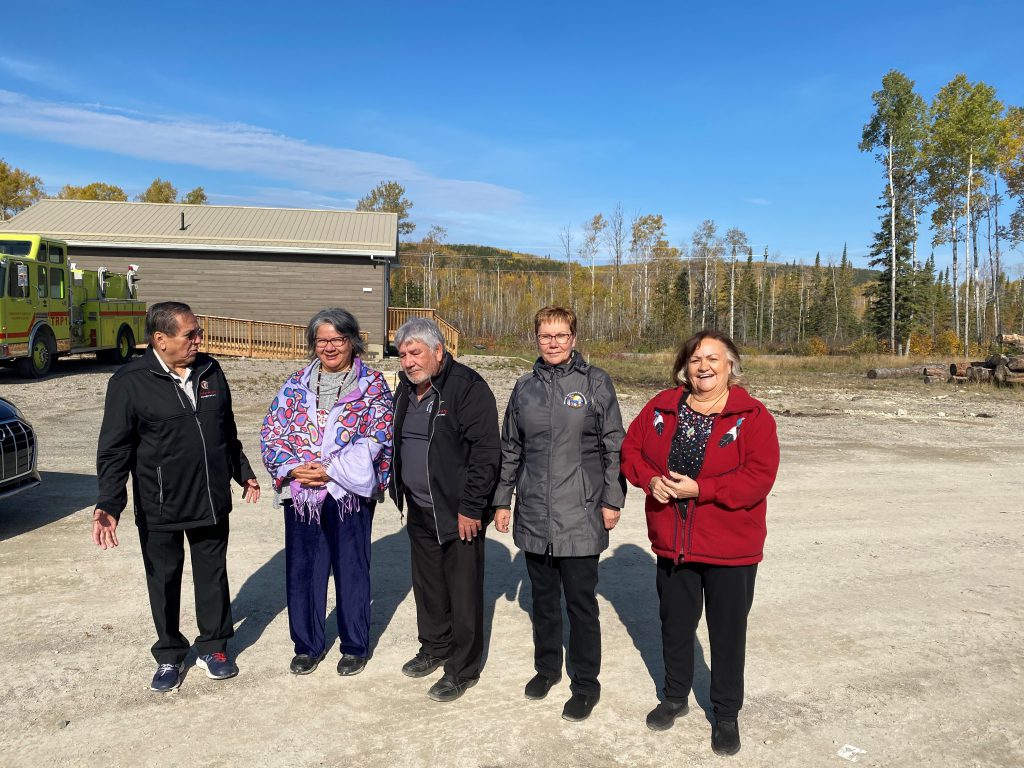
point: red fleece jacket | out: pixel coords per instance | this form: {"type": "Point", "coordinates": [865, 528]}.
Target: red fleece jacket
{"type": "Point", "coordinates": [725, 524]}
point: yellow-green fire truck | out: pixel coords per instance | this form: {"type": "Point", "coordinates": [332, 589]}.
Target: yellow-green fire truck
{"type": "Point", "coordinates": [50, 308]}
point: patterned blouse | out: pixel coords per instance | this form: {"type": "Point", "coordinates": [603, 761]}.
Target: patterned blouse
{"type": "Point", "coordinates": [690, 441]}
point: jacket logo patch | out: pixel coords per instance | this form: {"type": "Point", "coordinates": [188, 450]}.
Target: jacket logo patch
{"type": "Point", "coordinates": [731, 435]}
{"type": "Point", "coordinates": [204, 385]}
{"type": "Point", "coordinates": [575, 400]}
{"type": "Point", "coordinates": [659, 422]}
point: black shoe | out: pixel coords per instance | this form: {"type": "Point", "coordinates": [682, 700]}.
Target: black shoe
{"type": "Point", "coordinates": [167, 678]}
{"type": "Point", "coordinates": [450, 688]}
{"type": "Point", "coordinates": [725, 737]}
{"type": "Point", "coordinates": [579, 706]}
{"type": "Point", "coordinates": [351, 665]}
{"type": "Point", "coordinates": [539, 686]}
{"type": "Point", "coordinates": [217, 665]}
{"type": "Point", "coordinates": [664, 715]}
{"type": "Point", "coordinates": [421, 665]}
{"type": "Point", "coordinates": [303, 663]}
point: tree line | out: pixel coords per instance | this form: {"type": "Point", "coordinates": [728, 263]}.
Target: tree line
{"type": "Point", "coordinates": [19, 189]}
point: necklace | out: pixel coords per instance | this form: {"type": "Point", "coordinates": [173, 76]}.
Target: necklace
{"type": "Point", "coordinates": [337, 391]}
{"type": "Point", "coordinates": [694, 399]}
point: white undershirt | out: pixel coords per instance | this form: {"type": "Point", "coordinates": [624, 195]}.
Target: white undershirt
{"type": "Point", "coordinates": [182, 381]}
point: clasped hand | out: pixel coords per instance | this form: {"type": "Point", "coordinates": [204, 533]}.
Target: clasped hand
{"type": "Point", "coordinates": [311, 474]}
{"type": "Point", "coordinates": [675, 486]}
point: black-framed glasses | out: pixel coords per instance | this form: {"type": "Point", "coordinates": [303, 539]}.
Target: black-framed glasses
{"type": "Point", "coordinates": [337, 342]}
{"type": "Point", "coordinates": [547, 338]}
{"type": "Point", "coordinates": [196, 334]}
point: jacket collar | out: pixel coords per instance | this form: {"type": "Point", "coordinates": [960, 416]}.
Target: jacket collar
{"type": "Point", "coordinates": [548, 372]}
{"type": "Point", "coordinates": [738, 401]}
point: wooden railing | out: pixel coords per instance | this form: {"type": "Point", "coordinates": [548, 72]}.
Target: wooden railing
{"type": "Point", "coordinates": [398, 315]}
{"type": "Point", "coordinates": [254, 338]}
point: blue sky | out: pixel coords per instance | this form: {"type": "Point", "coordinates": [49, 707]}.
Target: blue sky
{"type": "Point", "coordinates": [507, 122]}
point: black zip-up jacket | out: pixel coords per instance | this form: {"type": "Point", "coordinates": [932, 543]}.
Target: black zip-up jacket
{"type": "Point", "coordinates": [464, 449]}
{"type": "Point", "coordinates": [181, 459]}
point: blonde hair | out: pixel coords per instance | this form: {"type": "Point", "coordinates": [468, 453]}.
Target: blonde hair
{"type": "Point", "coordinates": [553, 314]}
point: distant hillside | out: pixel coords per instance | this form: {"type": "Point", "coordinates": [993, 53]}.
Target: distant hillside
{"type": "Point", "coordinates": [487, 257]}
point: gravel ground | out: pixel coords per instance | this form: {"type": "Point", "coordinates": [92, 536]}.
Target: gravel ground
{"type": "Point", "coordinates": [885, 617]}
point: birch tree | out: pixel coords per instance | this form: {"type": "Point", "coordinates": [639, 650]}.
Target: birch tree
{"type": "Point", "coordinates": [894, 134]}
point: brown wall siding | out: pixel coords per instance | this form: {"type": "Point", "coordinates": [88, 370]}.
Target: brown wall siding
{"type": "Point", "coordinates": [281, 288]}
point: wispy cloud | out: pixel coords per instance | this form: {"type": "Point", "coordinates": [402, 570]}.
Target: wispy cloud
{"type": "Point", "coordinates": [757, 201]}
{"type": "Point", "coordinates": [31, 72]}
{"type": "Point", "coordinates": [328, 171]}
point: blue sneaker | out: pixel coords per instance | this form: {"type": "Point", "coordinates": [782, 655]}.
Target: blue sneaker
{"type": "Point", "coordinates": [217, 665]}
{"type": "Point", "coordinates": [167, 678]}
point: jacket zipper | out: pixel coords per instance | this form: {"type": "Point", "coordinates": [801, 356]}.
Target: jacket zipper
{"type": "Point", "coordinates": [160, 486]}
{"type": "Point", "coordinates": [550, 551]}
{"type": "Point", "coordinates": [202, 439]}
{"type": "Point", "coordinates": [430, 439]}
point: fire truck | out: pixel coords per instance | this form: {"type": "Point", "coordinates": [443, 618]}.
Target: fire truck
{"type": "Point", "coordinates": [50, 308]}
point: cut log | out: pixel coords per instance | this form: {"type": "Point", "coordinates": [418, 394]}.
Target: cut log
{"type": "Point", "coordinates": [935, 370]}
{"type": "Point", "coordinates": [956, 380]}
{"type": "Point", "coordinates": [979, 373]}
{"type": "Point", "coordinates": [1011, 338]}
{"type": "Point", "coordinates": [1004, 377]}
{"type": "Point", "coordinates": [938, 379]}
{"type": "Point", "coordinates": [994, 361]}
{"type": "Point", "coordinates": [958, 369]}
{"type": "Point", "coordinates": [981, 364]}
{"type": "Point", "coordinates": [1016, 364]}
{"type": "Point", "coordinates": [894, 373]}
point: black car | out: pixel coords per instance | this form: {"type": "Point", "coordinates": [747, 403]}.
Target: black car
{"type": "Point", "coordinates": [17, 451]}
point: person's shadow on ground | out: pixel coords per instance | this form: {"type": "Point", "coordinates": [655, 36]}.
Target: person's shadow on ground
{"type": "Point", "coordinates": [627, 581]}
{"type": "Point", "coordinates": [259, 601]}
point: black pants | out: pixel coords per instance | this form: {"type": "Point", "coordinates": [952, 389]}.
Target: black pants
{"type": "Point", "coordinates": [163, 553]}
{"type": "Point", "coordinates": [577, 577]}
{"type": "Point", "coordinates": [448, 585]}
{"type": "Point", "coordinates": [727, 593]}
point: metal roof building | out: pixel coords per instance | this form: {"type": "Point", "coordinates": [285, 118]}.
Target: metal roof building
{"type": "Point", "coordinates": [274, 264]}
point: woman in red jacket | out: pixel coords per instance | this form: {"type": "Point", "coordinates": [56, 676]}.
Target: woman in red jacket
{"type": "Point", "coordinates": [706, 454]}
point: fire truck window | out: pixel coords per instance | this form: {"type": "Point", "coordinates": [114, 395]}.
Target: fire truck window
{"type": "Point", "coordinates": [56, 254]}
{"type": "Point", "coordinates": [17, 284]}
{"type": "Point", "coordinates": [41, 282]}
{"type": "Point", "coordinates": [41, 253]}
{"type": "Point", "coordinates": [56, 283]}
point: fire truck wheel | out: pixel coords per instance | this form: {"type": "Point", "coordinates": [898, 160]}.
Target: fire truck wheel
{"type": "Point", "coordinates": [125, 346]}
{"type": "Point", "coordinates": [40, 361]}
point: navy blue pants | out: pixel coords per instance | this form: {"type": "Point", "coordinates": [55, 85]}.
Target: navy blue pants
{"type": "Point", "coordinates": [312, 551]}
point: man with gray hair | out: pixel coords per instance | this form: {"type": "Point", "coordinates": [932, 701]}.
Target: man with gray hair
{"type": "Point", "coordinates": [168, 423]}
{"type": "Point", "coordinates": [446, 463]}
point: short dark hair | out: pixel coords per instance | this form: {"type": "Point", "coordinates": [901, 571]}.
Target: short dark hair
{"type": "Point", "coordinates": [163, 318]}
{"type": "Point", "coordinates": [343, 321]}
{"type": "Point", "coordinates": [688, 347]}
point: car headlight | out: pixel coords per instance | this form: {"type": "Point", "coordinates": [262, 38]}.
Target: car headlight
{"type": "Point", "coordinates": [16, 409]}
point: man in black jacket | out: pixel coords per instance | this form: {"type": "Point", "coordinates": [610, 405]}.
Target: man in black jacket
{"type": "Point", "coordinates": [447, 457]}
{"type": "Point", "coordinates": [168, 422]}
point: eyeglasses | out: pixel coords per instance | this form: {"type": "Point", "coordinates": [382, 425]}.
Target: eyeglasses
{"type": "Point", "coordinates": [547, 338]}
{"type": "Point", "coordinates": [195, 334]}
{"type": "Point", "coordinates": [337, 342]}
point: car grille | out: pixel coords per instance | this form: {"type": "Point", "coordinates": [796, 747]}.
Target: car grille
{"type": "Point", "coordinates": [17, 449]}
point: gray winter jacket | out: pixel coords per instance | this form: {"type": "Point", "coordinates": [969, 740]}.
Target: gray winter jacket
{"type": "Point", "coordinates": [560, 454]}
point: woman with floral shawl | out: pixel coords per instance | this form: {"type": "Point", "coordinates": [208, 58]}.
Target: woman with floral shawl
{"type": "Point", "coordinates": [327, 443]}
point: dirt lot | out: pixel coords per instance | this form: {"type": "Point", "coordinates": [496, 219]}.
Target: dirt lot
{"type": "Point", "coordinates": [888, 613]}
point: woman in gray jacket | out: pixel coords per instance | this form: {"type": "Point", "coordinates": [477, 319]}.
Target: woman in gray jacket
{"type": "Point", "coordinates": [560, 455]}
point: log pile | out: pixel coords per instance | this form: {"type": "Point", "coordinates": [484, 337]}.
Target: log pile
{"type": "Point", "coordinates": [1005, 369]}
